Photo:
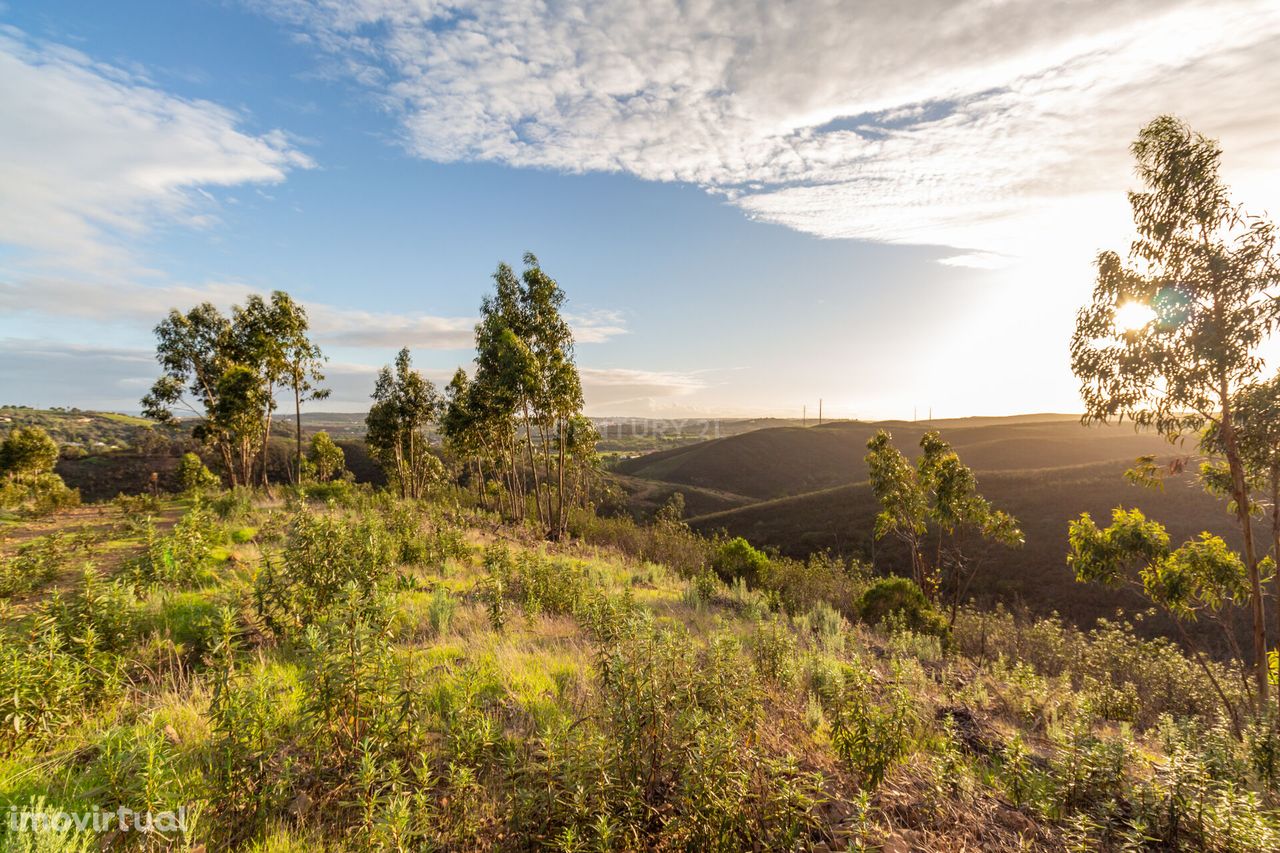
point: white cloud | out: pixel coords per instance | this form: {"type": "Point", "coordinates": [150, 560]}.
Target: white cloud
{"type": "Point", "coordinates": [91, 156]}
{"type": "Point", "coordinates": [987, 126]}
{"type": "Point", "coordinates": [332, 326]}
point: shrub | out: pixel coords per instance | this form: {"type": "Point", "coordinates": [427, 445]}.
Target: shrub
{"type": "Point", "coordinates": [28, 483]}
{"type": "Point", "coordinates": [36, 563]}
{"type": "Point", "coordinates": [900, 599]}
{"type": "Point", "coordinates": [870, 736]}
{"type": "Point", "coordinates": [322, 554]}
{"type": "Point", "coordinates": [737, 559]}
{"type": "Point", "coordinates": [440, 610]}
{"type": "Point", "coordinates": [180, 556]}
{"type": "Point", "coordinates": [232, 504]}
{"type": "Point", "coordinates": [194, 477]}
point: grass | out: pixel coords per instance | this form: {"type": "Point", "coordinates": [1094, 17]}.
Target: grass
{"type": "Point", "coordinates": [527, 695]}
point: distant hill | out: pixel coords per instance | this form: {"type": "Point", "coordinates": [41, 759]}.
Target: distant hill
{"type": "Point", "coordinates": [87, 430]}
{"type": "Point", "coordinates": [619, 436]}
{"type": "Point", "coordinates": [805, 491]}
{"type": "Point", "coordinates": [773, 463]}
{"type": "Point", "coordinates": [1036, 576]}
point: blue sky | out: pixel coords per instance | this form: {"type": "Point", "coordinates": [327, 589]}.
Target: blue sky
{"type": "Point", "coordinates": [748, 213]}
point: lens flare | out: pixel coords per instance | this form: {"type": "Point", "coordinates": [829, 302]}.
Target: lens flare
{"type": "Point", "coordinates": [1132, 316]}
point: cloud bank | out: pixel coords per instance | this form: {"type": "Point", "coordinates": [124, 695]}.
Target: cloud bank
{"type": "Point", "coordinates": [975, 124]}
{"type": "Point", "coordinates": [92, 156]}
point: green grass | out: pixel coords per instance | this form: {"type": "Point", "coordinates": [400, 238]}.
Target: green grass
{"type": "Point", "coordinates": [605, 702]}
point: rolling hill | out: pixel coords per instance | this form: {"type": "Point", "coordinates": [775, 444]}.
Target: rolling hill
{"type": "Point", "coordinates": [808, 493]}
{"type": "Point", "coordinates": [773, 463]}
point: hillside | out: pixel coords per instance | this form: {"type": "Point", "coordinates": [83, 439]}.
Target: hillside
{"type": "Point", "coordinates": [841, 519]}
{"type": "Point", "coordinates": [86, 431]}
{"type": "Point", "coordinates": [772, 463]}
{"type": "Point", "coordinates": [365, 673]}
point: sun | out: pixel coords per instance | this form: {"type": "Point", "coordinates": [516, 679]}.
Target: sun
{"type": "Point", "coordinates": [1132, 316]}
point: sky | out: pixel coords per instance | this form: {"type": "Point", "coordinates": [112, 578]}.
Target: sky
{"type": "Point", "coordinates": [891, 206]}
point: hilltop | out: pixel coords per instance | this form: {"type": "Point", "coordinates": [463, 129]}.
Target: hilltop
{"type": "Point", "coordinates": [772, 463]}
{"type": "Point", "coordinates": [85, 430]}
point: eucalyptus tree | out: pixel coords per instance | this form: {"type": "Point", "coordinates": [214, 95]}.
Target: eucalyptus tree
{"type": "Point", "coordinates": [193, 352]}
{"type": "Point", "coordinates": [526, 390]}
{"type": "Point", "coordinates": [257, 346]}
{"type": "Point", "coordinates": [933, 506]}
{"type": "Point", "coordinates": [204, 354]}
{"type": "Point", "coordinates": [405, 404]}
{"type": "Point", "coordinates": [302, 361]}
{"type": "Point", "coordinates": [1202, 575]}
{"type": "Point", "coordinates": [327, 459]}
{"type": "Point", "coordinates": [1206, 272]}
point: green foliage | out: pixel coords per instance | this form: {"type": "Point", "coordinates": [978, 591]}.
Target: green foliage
{"type": "Point", "coordinates": [736, 558]}
{"type": "Point", "coordinates": [525, 381]}
{"type": "Point", "coordinates": [440, 610]}
{"type": "Point", "coordinates": [327, 458]}
{"type": "Point", "coordinates": [37, 562]}
{"type": "Point", "coordinates": [26, 452]}
{"type": "Point", "coordinates": [404, 404]}
{"type": "Point", "coordinates": [27, 481]}
{"type": "Point", "coordinates": [322, 554]}
{"type": "Point", "coordinates": [228, 369]}
{"type": "Point", "coordinates": [938, 494]}
{"type": "Point", "coordinates": [181, 556]}
{"type": "Point", "coordinates": [870, 735]}
{"type": "Point", "coordinates": [1202, 575]}
{"type": "Point", "coordinates": [1207, 273]}
{"type": "Point", "coordinates": [194, 477]}
{"type": "Point", "coordinates": [900, 599]}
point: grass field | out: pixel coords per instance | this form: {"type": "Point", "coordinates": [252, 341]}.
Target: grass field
{"type": "Point", "coordinates": [377, 674]}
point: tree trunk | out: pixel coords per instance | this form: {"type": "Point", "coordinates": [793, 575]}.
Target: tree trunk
{"type": "Point", "coordinates": [297, 431]}
{"type": "Point", "coordinates": [266, 447]}
{"type": "Point", "coordinates": [1240, 492]}
{"type": "Point", "coordinates": [537, 487]}
{"type": "Point", "coordinates": [560, 496]}
{"type": "Point", "coordinates": [1275, 553]}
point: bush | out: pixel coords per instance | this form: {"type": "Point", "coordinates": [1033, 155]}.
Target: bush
{"type": "Point", "coordinates": [37, 562]}
{"type": "Point", "coordinates": [194, 477]}
{"type": "Point", "coordinates": [737, 559]}
{"type": "Point", "coordinates": [27, 481]}
{"type": "Point", "coordinates": [181, 556]}
{"type": "Point", "coordinates": [899, 599]}
{"type": "Point", "coordinates": [322, 554]}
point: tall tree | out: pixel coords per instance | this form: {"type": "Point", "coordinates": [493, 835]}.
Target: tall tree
{"type": "Point", "coordinates": [302, 362]}
{"type": "Point", "coordinates": [257, 346]}
{"type": "Point", "coordinates": [405, 403]}
{"type": "Point", "coordinates": [1206, 271]}
{"type": "Point", "coordinates": [193, 352]}
{"type": "Point", "coordinates": [526, 389]}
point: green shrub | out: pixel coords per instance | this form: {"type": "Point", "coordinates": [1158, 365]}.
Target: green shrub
{"type": "Point", "coordinates": [179, 557]}
{"type": "Point", "coordinates": [194, 477]}
{"type": "Point", "coordinates": [737, 559]}
{"type": "Point", "coordinates": [322, 554]}
{"type": "Point", "coordinates": [232, 504]}
{"type": "Point", "coordinates": [900, 599]}
{"type": "Point", "coordinates": [871, 736]}
{"type": "Point", "coordinates": [440, 610]}
{"type": "Point", "coordinates": [38, 562]}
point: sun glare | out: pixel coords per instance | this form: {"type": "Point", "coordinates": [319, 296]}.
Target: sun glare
{"type": "Point", "coordinates": [1132, 316]}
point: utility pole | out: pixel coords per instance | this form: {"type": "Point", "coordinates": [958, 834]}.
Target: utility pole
{"type": "Point", "coordinates": [804, 415]}
{"type": "Point", "coordinates": [819, 411]}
